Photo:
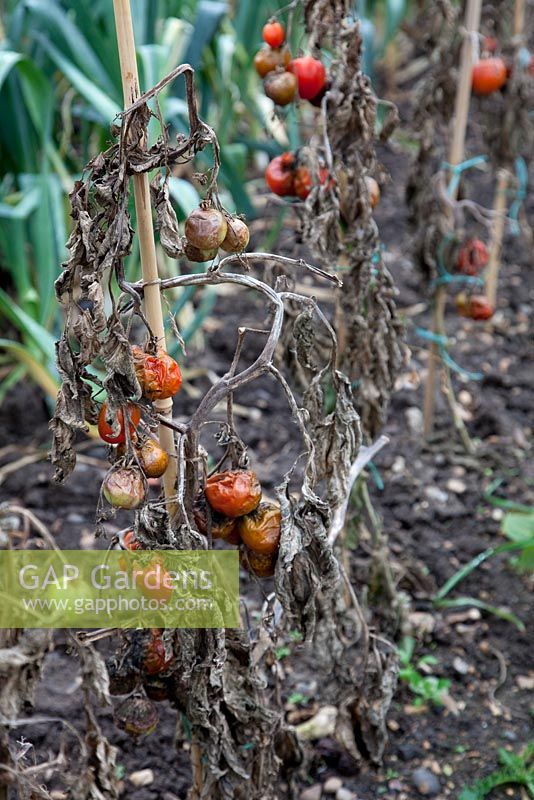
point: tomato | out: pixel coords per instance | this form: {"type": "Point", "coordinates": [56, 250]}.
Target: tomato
{"type": "Point", "coordinates": [124, 488]}
{"type": "Point", "coordinates": [489, 75]}
{"type": "Point", "coordinates": [279, 175]}
{"type": "Point", "coordinates": [281, 87]}
{"type": "Point", "coordinates": [159, 375]}
{"type": "Point", "coordinates": [153, 459]}
{"type": "Point", "coordinates": [262, 565]}
{"type": "Point", "coordinates": [237, 236]}
{"type": "Point", "coordinates": [221, 527]}
{"type": "Point", "coordinates": [154, 582]}
{"type": "Point", "coordinates": [156, 688]}
{"type": "Point", "coordinates": [233, 493]}
{"type": "Point", "coordinates": [267, 59]}
{"type": "Point", "coordinates": [311, 76]}
{"type": "Point", "coordinates": [472, 257]}
{"type": "Point", "coordinates": [273, 33]}
{"type": "Point", "coordinates": [374, 191]}
{"type": "Point", "coordinates": [476, 307]}
{"type": "Point", "coordinates": [111, 428]}
{"type": "Point", "coordinates": [129, 542]}
{"type": "Point", "coordinates": [156, 660]}
{"type": "Point", "coordinates": [198, 256]}
{"type": "Point", "coordinates": [260, 530]}
{"type": "Point", "coordinates": [303, 182]}
{"type": "Point", "coordinates": [205, 228]}
{"type": "Point", "coordinates": [137, 716]}
{"type": "Point", "coordinates": [123, 677]}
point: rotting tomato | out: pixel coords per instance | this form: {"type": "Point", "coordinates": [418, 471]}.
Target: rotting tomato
{"type": "Point", "coordinates": [373, 190]}
{"type": "Point", "coordinates": [280, 173]}
{"type": "Point", "coordinates": [124, 488]}
{"type": "Point", "coordinates": [311, 76]}
{"type": "Point", "coordinates": [476, 306]}
{"type": "Point", "coordinates": [267, 59]}
{"type": "Point", "coordinates": [154, 582]}
{"type": "Point", "coordinates": [156, 688]}
{"type": "Point", "coordinates": [237, 236]}
{"type": "Point", "coordinates": [137, 716]}
{"type": "Point", "coordinates": [221, 527]}
{"type": "Point", "coordinates": [111, 426]}
{"type": "Point", "coordinates": [123, 677]}
{"type": "Point", "coordinates": [303, 181]}
{"type": "Point", "coordinates": [198, 256]}
{"type": "Point", "coordinates": [489, 75]}
{"type": "Point", "coordinates": [205, 228]}
{"type": "Point", "coordinates": [273, 33]}
{"type": "Point", "coordinates": [472, 257]}
{"type": "Point", "coordinates": [153, 459]}
{"type": "Point", "coordinates": [260, 530]}
{"type": "Point", "coordinates": [159, 375]}
{"type": "Point", "coordinates": [262, 565]}
{"type": "Point", "coordinates": [233, 493]}
{"type": "Point", "coordinates": [281, 87]}
{"type": "Point", "coordinates": [156, 659]}
{"type": "Point", "coordinates": [129, 542]}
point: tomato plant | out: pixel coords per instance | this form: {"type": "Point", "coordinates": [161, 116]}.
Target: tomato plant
{"type": "Point", "coordinates": [281, 87]}
{"type": "Point", "coordinates": [237, 236]}
{"type": "Point", "coordinates": [153, 459]}
{"type": "Point", "coordinates": [268, 59]}
{"type": "Point", "coordinates": [279, 175]}
{"type": "Point", "coordinates": [156, 660]}
{"type": "Point", "coordinates": [124, 487]}
{"type": "Point", "coordinates": [472, 257]}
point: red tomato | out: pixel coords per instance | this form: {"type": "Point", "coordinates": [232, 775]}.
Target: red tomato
{"type": "Point", "coordinates": [476, 307]}
{"type": "Point", "coordinates": [273, 33]}
{"type": "Point", "coordinates": [234, 492]}
{"type": "Point", "coordinates": [111, 430]}
{"type": "Point", "coordinates": [472, 257]}
{"type": "Point", "coordinates": [156, 660]}
{"type": "Point", "coordinates": [279, 175]}
{"type": "Point", "coordinates": [129, 541]}
{"type": "Point", "coordinates": [311, 76]}
{"type": "Point", "coordinates": [303, 182]}
{"type": "Point", "coordinates": [489, 75]}
{"type": "Point", "coordinates": [159, 375]}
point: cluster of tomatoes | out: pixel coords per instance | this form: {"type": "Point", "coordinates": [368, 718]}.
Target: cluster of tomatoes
{"type": "Point", "coordinates": [145, 672]}
{"type": "Point", "coordinates": [472, 257]}
{"type": "Point", "coordinates": [284, 77]}
{"type": "Point", "coordinates": [491, 72]}
{"type": "Point", "coordinates": [207, 229]}
{"type": "Point", "coordinates": [230, 508]}
{"type": "Point", "coordinates": [160, 377]}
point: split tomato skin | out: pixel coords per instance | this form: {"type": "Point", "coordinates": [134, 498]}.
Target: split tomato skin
{"type": "Point", "coordinates": [472, 257]}
{"type": "Point", "coordinates": [260, 530]}
{"type": "Point", "coordinates": [273, 33]}
{"type": "Point", "coordinates": [112, 430]}
{"type": "Point", "coordinates": [159, 375]}
{"type": "Point", "coordinates": [124, 488]}
{"type": "Point", "coordinates": [311, 76]}
{"type": "Point", "coordinates": [279, 174]}
{"type": "Point", "coordinates": [233, 493]}
{"type": "Point", "coordinates": [268, 59]}
{"type": "Point", "coordinates": [281, 87]}
{"type": "Point", "coordinates": [489, 75]}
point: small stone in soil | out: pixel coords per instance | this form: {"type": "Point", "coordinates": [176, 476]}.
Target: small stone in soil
{"type": "Point", "coordinates": [312, 792]}
{"type": "Point", "coordinates": [426, 782]}
{"type": "Point", "coordinates": [414, 419]}
{"type": "Point", "coordinates": [456, 485]}
{"type": "Point", "coordinates": [345, 794]}
{"type": "Point", "coordinates": [460, 666]}
{"type": "Point", "coordinates": [332, 785]}
{"type": "Point", "coordinates": [143, 777]}
{"type": "Point", "coordinates": [408, 751]}
{"type": "Point", "coordinates": [435, 493]}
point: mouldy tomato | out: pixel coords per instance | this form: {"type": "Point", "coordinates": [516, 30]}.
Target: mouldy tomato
{"type": "Point", "coordinates": [260, 530]}
{"type": "Point", "coordinates": [281, 87]}
{"type": "Point", "coordinates": [137, 716]}
{"type": "Point", "coordinates": [262, 565]}
{"type": "Point", "coordinates": [489, 75]}
{"type": "Point", "coordinates": [233, 493]}
{"type": "Point", "coordinates": [472, 257]}
{"type": "Point", "coordinates": [476, 306]}
{"type": "Point", "coordinates": [156, 660]}
{"type": "Point", "coordinates": [374, 191]}
{"type": "Point", "coordinates": [221, 527]}
{"type": "Point", "coordinates": [311, 76]}
{"type": "Point", "coordinates": [273, 33]}
{"type": "Point", "coordinates": [111, 425]}
{"type": "Point", "coordinates": [237, 236]}
{"type": "Point", "coordinates": [268, 59]}
{"type": "Point", "coordinates": [279, 174]}
{"type": "Point", "coordinates": [159, 375]}
{"type": "Point", "coordinates": [153, 459]}
{"type": "Point", "coordinates": [205, 228]}
{"type": "Point", "coordinates": [124, 488]}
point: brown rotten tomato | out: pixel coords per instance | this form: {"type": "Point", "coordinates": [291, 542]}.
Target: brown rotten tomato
{"type": "Point", "coordinates": [260, 530]}
{"type": "Point", "coordinates": [221, 527]}
{"type": "Point", "coordinates": [280, 173]}
{"type": "Point", "coordinates": [237, 236]}
{"type": "Point", "coordinates": [153, 459]}
{"type": "Point", "coordinates": [198, 256]}
{"type": "Point", "coordinates": [137, 716]}
{"type": "Point", "coordinates": [473, 256]}
{"type": "Point", "coordinates": [281, 87]}
{"type": "Point", "coordinates": [476, 306]}
{"type": "Point", "coordinates": [159, 375]}
{"type": "Point", "coordinates": [263, 565]}
{"type": "Point", "coordinates": [268, 59]}
{"type": "Point", "coordinates": [206, 228]}
{"type": "Point", "coordinates": [124, 488]}
{"type": "Point", "coordinates": [111, 425]}
{"type": "Point", "coordinates": [233, 493]}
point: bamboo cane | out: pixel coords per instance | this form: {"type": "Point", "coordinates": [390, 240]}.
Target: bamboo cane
{"type": "Point", "coordinates": [456, 156]}
{"type": "Point", "coordinates": [145, 230]}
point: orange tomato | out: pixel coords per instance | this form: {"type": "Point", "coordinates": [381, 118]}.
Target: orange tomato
{"type": "Point", "coordinates": [262, 565]}
{"type": "Point", "coordinates": [153, 459]}
{"type": "Point", "coordinates": [159, 375]}
{"type": "Point", "coordinates": [233, 493]}
{"type": "Point", "coordinates": [489, 75]}
{"type": "Point", "coordinates": [273, 33]}
{"type": "Point", "coordinates": [260, 530]}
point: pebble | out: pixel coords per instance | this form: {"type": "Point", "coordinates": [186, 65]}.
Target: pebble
{"type": "Point", "coordinates": [414, 419]}
{"type": "Point", "coordinates": [456, 486]}
{"type": "Point", "coordinates": [465, 397]}
{"type": "Point", "coordinates": [74, 518]}
{"type": "Point", "coordinates": [143, 777]}
{"type": "Point", "coordinates": [408, 751]}
{"type": "Point", "coordinates": [345, 794]}
{"type": "Point", "coordinates": [56, 794]}
{"type": "Point", "coordinates": [332, 785]}
{"type": "Point", "coordinates": [312, 792]}
{"type": "Point", "coordinates": [426, 782]}
{"type": "Point", "coordinates": [460, 666]}
{"type": "Point", "coordinates": [399, 465]}
{"type": "Point", "coordinates": [437, 494]}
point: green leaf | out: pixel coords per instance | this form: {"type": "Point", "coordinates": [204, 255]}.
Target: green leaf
{"type": "Point", "coordinates": [184, 195]}
{"type": "Point", "coordinates": [8, 59]}
{"type": "Point", "coordinates": [39, 336]}
{"type": "Point", "coordinates": [497, 611]}
{"type": "Point", "coordinates": [518, 527]}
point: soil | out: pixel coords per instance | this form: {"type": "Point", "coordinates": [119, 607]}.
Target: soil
{"type": "Point", "coordinates": [434, 513]}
